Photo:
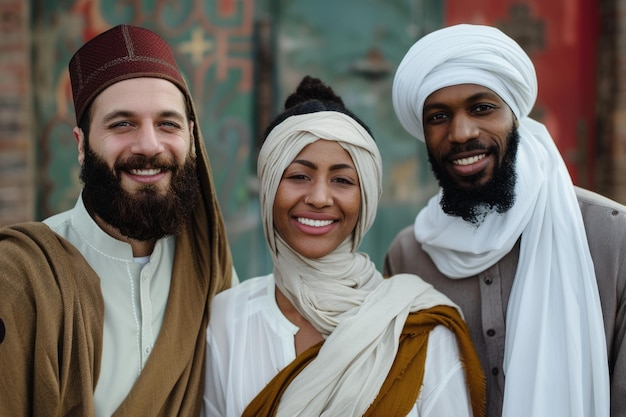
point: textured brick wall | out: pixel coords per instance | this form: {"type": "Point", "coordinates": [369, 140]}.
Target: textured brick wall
{"type": "Point", "coordinates": [16, 156]}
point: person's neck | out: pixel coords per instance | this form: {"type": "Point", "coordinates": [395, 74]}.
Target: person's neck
{"type": "Point", "coordinates": [139, 247]}
{"type": "Point", "coordinates": [308, 335]}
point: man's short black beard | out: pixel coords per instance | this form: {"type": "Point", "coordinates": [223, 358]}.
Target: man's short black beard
{"type": "Point", "coordinates": [473, 203]}
{"type": "Point", "coordinates": [147, 213]}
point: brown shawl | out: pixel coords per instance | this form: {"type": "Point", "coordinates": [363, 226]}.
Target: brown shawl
{"type": "Point", "coordinates": [401, 389]}
{"type": "Point", "coordinates": [52, 313]}
{"type": "Point", "coordinates": [172, 381]}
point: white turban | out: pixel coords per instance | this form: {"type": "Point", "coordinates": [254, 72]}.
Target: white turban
{"type": "Point", "coordinates": [341, 294]}
{"type": "Point", "coordinates": [555, 358]}
{"type": "Point", "coordinates": [462, 54]}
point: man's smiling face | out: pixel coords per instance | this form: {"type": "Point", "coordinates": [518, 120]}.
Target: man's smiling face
{"type": "Point", "coordinates": [472, 139]}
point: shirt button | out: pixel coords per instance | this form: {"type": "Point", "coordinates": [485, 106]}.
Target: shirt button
{"type": "Point", "coordinates": [488, 280]}
{"type": "Point", "coordinates": [491, 332]}
{"type": "Point", "coordinates": [494, 371]}
{"type": "Point", "coordinates": [147, 350]}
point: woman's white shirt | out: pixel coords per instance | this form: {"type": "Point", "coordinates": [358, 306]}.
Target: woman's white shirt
{"type": "Point", "coordinates": [250, 341]}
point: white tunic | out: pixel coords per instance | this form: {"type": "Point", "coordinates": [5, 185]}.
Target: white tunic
{"type": "Point", "coordinates": [135, 297]}
{"type": "Point", "coordinates": [250, 341]}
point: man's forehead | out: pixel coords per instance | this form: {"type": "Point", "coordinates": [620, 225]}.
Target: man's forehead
{"type": "Point", "coordinates": [144, 90]}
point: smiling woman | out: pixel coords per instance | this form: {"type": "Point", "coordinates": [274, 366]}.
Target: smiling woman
{"type": "Point", "coordinates": [318, 199]}
{"type": "Point", "coordinates": [302, 340]}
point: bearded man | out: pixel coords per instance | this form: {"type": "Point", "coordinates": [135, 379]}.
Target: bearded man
{"type": "Point", "coordinates": [536, 264]}
{"type": "Point", "coordinates": [105, 307]}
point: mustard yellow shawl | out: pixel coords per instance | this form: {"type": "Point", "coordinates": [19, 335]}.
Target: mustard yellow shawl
{"type": "Point", "coordinates": [403, 383]}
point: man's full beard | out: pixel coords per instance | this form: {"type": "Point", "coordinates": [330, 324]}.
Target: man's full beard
{"type": "Point", "coordinates": [147, 213]}
{"type": "Point", "coordinates": [473, 203]}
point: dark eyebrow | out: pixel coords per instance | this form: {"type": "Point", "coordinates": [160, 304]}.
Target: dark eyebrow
{"type": "Point", "coordinates": [432, 106]}
{"type": "Point", "coordinates": [115, 114]}
{"type": "Point", "coordinates": [311, 165]}
{"type": "Point", "coordinates": [482, 95]}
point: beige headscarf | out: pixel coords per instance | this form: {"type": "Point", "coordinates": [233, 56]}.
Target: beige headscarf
{"type": "Point", "coordinates": [341, 294]}
{"type": "Point", "coordinates": [555, 355]}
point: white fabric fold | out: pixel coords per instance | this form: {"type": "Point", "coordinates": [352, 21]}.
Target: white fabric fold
{"type": "Point", "coordinates": [555, 354]}
{"type": "Point", "coordinates": [341, 294]}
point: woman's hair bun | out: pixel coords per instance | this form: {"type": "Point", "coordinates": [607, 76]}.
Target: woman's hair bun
{"type": "Point", "coordinates": [311, 88]}
{"type": "Point", "coordinates": [312, 96]}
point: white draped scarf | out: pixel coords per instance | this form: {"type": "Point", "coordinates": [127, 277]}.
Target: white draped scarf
{"type": "Point", "coordinates": [360, 314]}
{"type": "Point", "coordinates": [555, 351]}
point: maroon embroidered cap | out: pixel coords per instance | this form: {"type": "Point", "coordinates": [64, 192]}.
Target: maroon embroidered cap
{"type": "Point", "coordinates": [118, 54]}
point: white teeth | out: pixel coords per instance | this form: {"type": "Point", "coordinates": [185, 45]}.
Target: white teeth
{"type": "Point", "coordinates": [314, 223]}
{"type": "Point", "coordinates": [468, 161]}
{"type": "Point", "coordinates": [153, 171]}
